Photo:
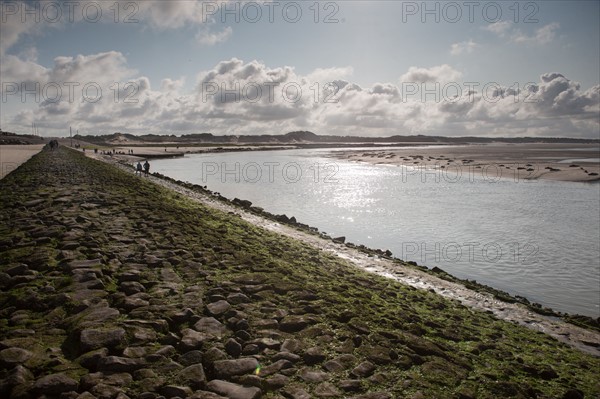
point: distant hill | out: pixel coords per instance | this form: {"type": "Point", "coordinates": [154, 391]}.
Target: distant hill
{"type": "Point", "coordinates": [8, 138]}
{"type": "Point", "coordinates": [305, 137]}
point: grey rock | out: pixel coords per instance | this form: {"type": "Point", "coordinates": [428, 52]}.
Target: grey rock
{"type": "Point", "coordinates": [237, 298]}
{"type": "Point", "coordinates": [296, 392]}
{"type": "Point", "coordinates": [210, 326]}
{"type": "Point", "coordinates": [309, 375]}
{"type": "Point", "coordinates": [363, 370]}
{"type": "Point", "coordinates": [192, 339]}
{"type": "Point", "coordinates": [277, 381]}
{"type": "Point", "coordinates": [294, 323]}
{"type": "Point", "coordinates": [191, 357]}
{"type": "Point", "coordinates": [326, 390]}
{"type": "Point", "coordinates": [233, 348]}
{"type": "Point", "coordinates": [313, 356]}
{"type": "Point", "coordinates": [275, 367]}
{"type": "Point", "coordinates": [172, 391]}
{"type": "Point", "coordinates": [90, 359]}
{"type": "Point", "coordinates": [17, 376]}
{"type": "Point", "coordinates": [233, 391]}
{"type": "Point", "coordinates": [96, 338]}
{"type": "Point", "coordinates": [333, 366]}
{"type": "Point", "coordinates": [350, 385]}
{"type": "Point", "coordinates": [218, 308]}
{"type": "Point", "coordinates": [381, 395]}
{"type": "Point", "coordinates": [120, 364]}
{"type": "Point", "coordinates": [290, 345]}
{"type": "Point", "coordinates": [193, 376]}
{"type": "Point", "coordinates": [12, 356]}
{"type": "Point", "coordinates": [229, 368]}
{"type": "Point", "coordinates": [105, 391]}
{"type": "Point", "coordinates": [55, 384]}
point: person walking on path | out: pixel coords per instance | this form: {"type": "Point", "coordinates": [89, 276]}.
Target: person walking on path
{"type": "Point", "coordinates": [147, 167]}
{"type": "Point", "coordinates": [138, 168]}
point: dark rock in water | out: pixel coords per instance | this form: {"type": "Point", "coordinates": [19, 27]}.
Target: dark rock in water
{"type": "Point", "coordinates": [55, 384]}
{"type": "Point", "coordinates": [293, 220]}
{"type": "Point", "coordinates": [233, 391]}
{"type": "Point", "coordinates": [339, 240]}
{"type": "Point", "coordinates": [242, 203]}
{"type": "Point", "coordinates": [282, 218]}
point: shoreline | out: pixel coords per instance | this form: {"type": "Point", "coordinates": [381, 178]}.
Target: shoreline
{"type": "Point", "coordinates": [585, 337]}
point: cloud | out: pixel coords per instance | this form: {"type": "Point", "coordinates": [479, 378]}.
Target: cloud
{"type": "Point", "coordinates": [442, 73]}
{"type": "Point", "coordinates": [540, 36]}
{"type": "Point", "coordinates": [463, 47]}
{"type": "Point", "coordinates": [249, 97]}
{"type": "Point", "coordinates": [207, 38]}
{"type": "Point", "coordinates": [500, 28]}
{"type": "Point", "coordinates": [543, 35]}
{"type": "Point", "coordinates": [156, 14]}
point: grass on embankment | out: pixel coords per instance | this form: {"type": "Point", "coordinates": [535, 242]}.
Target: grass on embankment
{"type": "Point", "coordinates": [420, 341]}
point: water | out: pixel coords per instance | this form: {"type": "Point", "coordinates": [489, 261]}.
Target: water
{"type": "Point", "coordinates": [539, 239]}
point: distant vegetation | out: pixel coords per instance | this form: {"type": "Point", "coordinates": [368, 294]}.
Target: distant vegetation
{"type": "Point", "coordinates": [305, 137]}
{"type": "Point", "coordinates": [301, 138]}
{"type": "Point", "coordinates": [7, 138]}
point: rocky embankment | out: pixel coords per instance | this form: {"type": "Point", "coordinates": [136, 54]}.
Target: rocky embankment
{"type": "Point", "coordinates": [114, 287]}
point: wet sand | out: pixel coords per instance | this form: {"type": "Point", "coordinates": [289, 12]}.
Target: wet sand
{"type": "Point", "coordinates": [562, 162]}
{"type": "Point", "coordinates": [12, 156]}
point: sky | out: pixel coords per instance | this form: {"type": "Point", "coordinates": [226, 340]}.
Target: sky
{"type": "Point", "coordinates": [356, 68]}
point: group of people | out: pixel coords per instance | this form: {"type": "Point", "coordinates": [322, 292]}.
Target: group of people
{"type": "Point", "coordinates": [139, 168]}
{"type": "Point", "coordinates": [53, 145]}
